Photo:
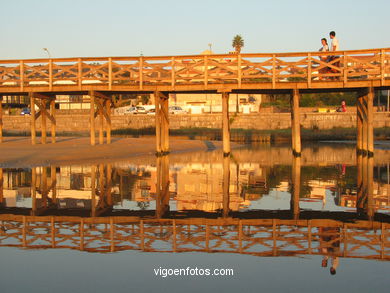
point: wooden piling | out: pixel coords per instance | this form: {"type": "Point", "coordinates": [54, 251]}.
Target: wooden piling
{"type": "Point", "coordinates": [108, 120]}
{"type": "Point", "coordinates": [225, 124]}
{"type": "Point", "coordinates": [53, 122]}
{"type": "Point", "coordinates": [33, 191]}
{"type": "Point", "coordinates": [1, 187]}
{"type": "Point", "coordinates": [101, 123]}
{"type": "Point", "coordinates": [364, 124]}
{"type": "Point", "coordinates": [92, 118]}
{"type": "Point", "coordinates": [359, 124]}
{"type": "Point", "coordinates": [370, 121]}
{"type": "Point", "coordinates": [295, 123]}
{"type": "Point", "coordinates": [157, 122]}
{"type": "Point", "coordinates": [33, 125]}
{"type": "Point", "coordinates": [93, 191]}
{"type": "Point", "coordinates": [165, 124]}
{"type": "Point", "coordinates": [1, 119]}
{"type": "Point", "coordinates": [43, 121]}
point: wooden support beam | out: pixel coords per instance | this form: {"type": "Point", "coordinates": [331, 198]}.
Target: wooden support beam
{"type": "Point", "coordinates": [360, 182]}
{"type": "Point", "coordinates": [158, 122]}
{"type": "Point", "coordinates": [226, 186]}
{"type": "Point", "coordinates": [370, 188]}
{"type": "Point", "coordinates": [92, 118]}
{"type": "Point", "coordinates": [295, 123]}
{"type": "Point", "coordinates": [33, 191]}
{"type": "Point", "coordinates": [108, 120]}
{"type": "Point", "coordinates": [296, 186]}
{"type": "Point", "coordinates": [225, 124]}
{"type": "Point", "coordinates": [165, 124]}
{"type": "Point", "coordinates": [101, 122]}
{"type": "Point", "coordinates": [359, 124]}
{"type": "Point", "coordinates": [370, 121]}
{"type": "Point", "coordinates": [162, 186]}
{"type": "Point", "coordinates": [53, 120]}
{"type": "Point", "coordinates": [93, 191]}
{"type": "Point", "coordinates": [53, 184]}
{"type": "Point", "coordinates": [1, 187]}
{"type": "Point", "coordinates": [1, 119]}
{"type": "Point", "coordinates": [161, 101]}
{"type": "Point", "coordinates": [43, 121]}
{"type": "Point", "coordinates": [33, 119]}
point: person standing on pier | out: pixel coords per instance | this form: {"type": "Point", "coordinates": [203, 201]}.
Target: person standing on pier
{"type": "Point", "coordinates": [324, 48]}
{"type": "Point", "coordinates": [335, 41]}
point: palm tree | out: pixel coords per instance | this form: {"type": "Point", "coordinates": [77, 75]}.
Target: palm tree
{"type": "Point", "coordinates": [238, 43]}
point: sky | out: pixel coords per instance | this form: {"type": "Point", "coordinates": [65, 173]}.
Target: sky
{"type": "Point", "coordinates": [85, 28]}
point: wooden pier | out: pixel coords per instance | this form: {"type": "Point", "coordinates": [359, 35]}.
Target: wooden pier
{"type": "Point", "coordinates": [360, 71]}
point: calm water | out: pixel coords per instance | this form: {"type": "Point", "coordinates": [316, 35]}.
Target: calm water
{"type": "Point", "coordinates": [277, 223]}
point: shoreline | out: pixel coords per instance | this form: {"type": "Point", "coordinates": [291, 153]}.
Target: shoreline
{"type": "Point", "coordinates": [19, 152]}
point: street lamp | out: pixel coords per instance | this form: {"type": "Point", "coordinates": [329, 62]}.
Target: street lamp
{"type": "Point", "coordinates": [47, 51]}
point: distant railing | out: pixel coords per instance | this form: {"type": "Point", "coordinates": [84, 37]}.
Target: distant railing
{"type": "Point", "coordinates": [261, 237]}
{"type": "Point", "coordinates": [205, 71]}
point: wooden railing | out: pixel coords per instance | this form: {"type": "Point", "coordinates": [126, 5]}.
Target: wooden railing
{"type": "Point", "coordinates": [261, 237]}
{"type": "Point", "coordinates": [198, 71]}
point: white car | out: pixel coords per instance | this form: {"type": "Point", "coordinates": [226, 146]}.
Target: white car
{"type": "Point", "coordinates": [176, 110]}
{"type": "Point", "coordinates": [131, 110]}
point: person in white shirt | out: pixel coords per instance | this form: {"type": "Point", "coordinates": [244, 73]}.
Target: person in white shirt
{"type": "Point", "coordinates": [324, 58]}
{"type": "Point", "coordinates": [335, 47]}
{"type": "Point", "coordinates": [335, 41]}
{"type": "Point", "coordinates": [324, 48]}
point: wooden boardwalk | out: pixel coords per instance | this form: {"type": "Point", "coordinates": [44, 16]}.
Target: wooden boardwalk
{"type": "Point", "coordinates": [259, 237]}
{"type": "Point", "coordinates": [361, 71]}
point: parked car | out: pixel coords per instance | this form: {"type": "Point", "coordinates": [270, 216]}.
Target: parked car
{"type": "Point", "coordinates": [141, 110]}
{"type": "Point", "coordinates": [25, 111]}
{"type": "Point", "coordinates": [131, 110]}
{"type": "Point", "coordinates": [176, 110]}
{"type": "Point", "coordinates": [152, 112]}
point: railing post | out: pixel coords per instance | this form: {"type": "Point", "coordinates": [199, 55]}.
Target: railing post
{"type": "Point", "coordinates": [239, 70]}
{"type": "Point", "coordinates": [173, 73]}
{"type": "Point", "coordinates": [21, 65]}
{"type": "Point", "coordinates": [141, 70]}
{"type": "Point", "coordinates": [206, 71]}
{"type": "Point", "coordinates": [109, 73]}
{"type": "Point", "coordinates": [79, 72]}
{"type": "Point", "coordinates": [309, 70]}
{"type": "Point", "coordinates": [345, 68]}
{"type": "Point", "coordinates": [50, 74]}
{"type": "Point", "coordinates": [382, 67]}
{"type": "Point", "coordinates": [273, 71]}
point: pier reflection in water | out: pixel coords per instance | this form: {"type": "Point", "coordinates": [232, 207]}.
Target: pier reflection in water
{"type": "Point", "coordinates": [230, 204]}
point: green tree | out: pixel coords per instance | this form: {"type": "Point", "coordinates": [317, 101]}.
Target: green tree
{"type": "Point", "coordinates": [238, 43]}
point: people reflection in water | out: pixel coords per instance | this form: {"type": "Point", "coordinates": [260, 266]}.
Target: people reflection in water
{"type": "Point", "coordinates": [330, 247]}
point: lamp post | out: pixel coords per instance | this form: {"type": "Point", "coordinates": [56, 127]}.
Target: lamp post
{"type": "Point", "coordinates": [47, 51]}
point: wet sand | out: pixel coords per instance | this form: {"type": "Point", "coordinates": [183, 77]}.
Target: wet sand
{"type": "Point", "coordinates": [19, 152]}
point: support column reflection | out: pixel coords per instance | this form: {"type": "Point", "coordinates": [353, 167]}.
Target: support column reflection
{"type": "Point", "coordinates": [226, 185]}
{"type": "Point", "coordinates": [162, 186]}
{"type": "Point", "coordinates": [2, 203]}
{"type": "Point", "coordinates": [365, 186]}
{"type": "Point", "coordinates": [295, 186]}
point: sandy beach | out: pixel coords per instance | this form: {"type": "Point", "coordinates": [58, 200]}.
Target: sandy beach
{"type": "Point", "coordinates": [19, 152]}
